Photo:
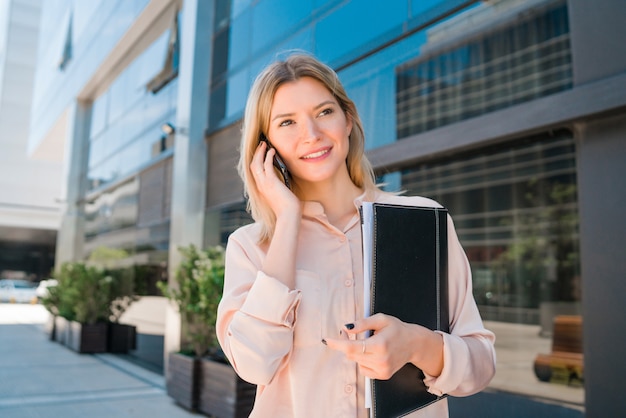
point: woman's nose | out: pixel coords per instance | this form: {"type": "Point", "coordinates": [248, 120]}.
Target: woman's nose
{"type": "Point", "coordinates": [310, 130]}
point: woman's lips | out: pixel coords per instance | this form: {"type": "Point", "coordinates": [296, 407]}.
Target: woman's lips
{"type": "Point", "coordinates": [316, 154]}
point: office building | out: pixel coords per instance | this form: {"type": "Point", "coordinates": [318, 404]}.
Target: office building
{"type": "Point", "coordinates": [30, 187]}
{"type": "Point", "coordinates": [511, 113]}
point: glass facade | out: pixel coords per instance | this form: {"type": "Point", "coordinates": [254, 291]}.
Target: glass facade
{"type": "Point", "coordinates": [130, 165]}
{"type": "Point", "coordinates": [249, 36]}
{"type": "Point", "coordinates": [419, 65]}
{"type": "Point", "coordinates": [232, 217]}
{"type": "Point", "coordinates": [515, 208]}
{"type": "Point", "coordinates": [427, 64]}
{"type": "Point", "coordinates": [524, 61]}
{"type": "Point", "coordinates": [516, 214]}
{"type": "Point", "coordinates": [113, 210]}
{"type": "Point", "coordinates": [93, 36]}
{"type": "Point", "coordinates": [127, 118]}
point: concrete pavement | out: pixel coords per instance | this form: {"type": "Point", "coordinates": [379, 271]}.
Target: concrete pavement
{"type": "Point", "coordinates": [41, 378]}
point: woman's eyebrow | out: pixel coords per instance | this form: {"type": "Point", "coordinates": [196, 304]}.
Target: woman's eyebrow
{"type": "Point", "coordinates": [324, 103]}
{"type": "Point", "coordinates": [282, 115]}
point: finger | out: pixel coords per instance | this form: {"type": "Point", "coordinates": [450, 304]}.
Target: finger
{"type": "Point", "coordinates": [268, 163]}
{"type": "Point", "coordinates": [364, 353]}
{"type": "Point", "coordinates": [367, 371]}
{"type": "Point", "coordinates": [372, 371]}
{"type": "Point", "coordinates": [351, 348]}
{"type": "Point", "coordinates": [259, 153]}
{"type": "Point", "coordinates": [372, 323]}
{"type": "Point", "coordinates": [256, 165]}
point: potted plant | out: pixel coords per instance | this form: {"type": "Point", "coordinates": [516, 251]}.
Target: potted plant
{"type": "Point", "coordinates": [59, 301]}
{"type": "Point", "coordinates": [199, 377]}
{"type": "Point", "coordinates": [51, 302]}
{"type": "Point", "coordinates": [121, 337]}
{"type": "Point", "coordinates": [81, 303]}
{"type": "Point", "coordinates": [91, 289]}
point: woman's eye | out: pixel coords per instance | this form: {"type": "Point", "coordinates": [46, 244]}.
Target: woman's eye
{"type": "Point", "coordinates": [326, 112]}
{"type": "Point", "coordinates": [286, 122]}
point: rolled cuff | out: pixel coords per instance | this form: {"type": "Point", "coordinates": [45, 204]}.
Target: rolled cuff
{"type": "Point", "coordinates": [284, 301]}
{"type": "Point", "coordinates": [455, 362]}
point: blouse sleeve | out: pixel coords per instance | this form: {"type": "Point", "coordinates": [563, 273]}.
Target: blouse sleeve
{"type": "Point", "coordinates": [256, 315]}
{"type": "Point", "coordinates": [468, 350]}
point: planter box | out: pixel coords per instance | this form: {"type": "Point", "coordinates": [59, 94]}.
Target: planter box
{"type": "Point", "coordinates": [122, 338]}
{"type": "Point", "coordinates": [61, 330]}
{"type": "Point", "coordinates": [50, 328]}
{"type": "Point", "coordinates": [223, 394]}
{"type": "Point", "coordinates": [182, 380]}
{"type": "Point", "coordinates": [88, 338]}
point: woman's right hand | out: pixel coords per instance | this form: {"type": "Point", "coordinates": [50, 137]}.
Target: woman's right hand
{"type": "Point", "coordinates": [280, 261]}
{"type": "Point", "coordinates": [280, 199]}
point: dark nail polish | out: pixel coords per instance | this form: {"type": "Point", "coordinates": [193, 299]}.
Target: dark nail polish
{"type": "Point", "coordinates": [324, 342]}
{"type": "Point", "coordinates": [350, 326]}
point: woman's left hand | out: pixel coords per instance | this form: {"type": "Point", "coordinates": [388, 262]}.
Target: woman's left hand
{"type": "Point", "coordinates": [393, 344]}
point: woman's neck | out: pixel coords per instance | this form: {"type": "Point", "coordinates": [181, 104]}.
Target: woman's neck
{"type": "Point", "coordinates": [337, 198]}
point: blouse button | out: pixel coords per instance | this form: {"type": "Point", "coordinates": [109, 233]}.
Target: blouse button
{"type": "Point", "coordinates": [348, 388]}
{"type": "Point", "coordinates": [342, 239]}
{"type": "Point", "coordinates": [347, 282]}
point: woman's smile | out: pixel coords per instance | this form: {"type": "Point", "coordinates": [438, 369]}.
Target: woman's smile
{"type": "Point", "coordinates": [317, 155]}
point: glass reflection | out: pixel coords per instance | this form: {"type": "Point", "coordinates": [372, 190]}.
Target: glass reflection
{"type": "Point", "coordinates": [515, 208]}
{"type": "Point", "coordinates": [116, 209]}
{"type": "Point", "coordinates": [498, 69]}
{"type": "Point", "coordinates": [127, 118]}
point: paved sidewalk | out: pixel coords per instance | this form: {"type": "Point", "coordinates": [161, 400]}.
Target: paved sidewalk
{"type": "Point", "coordinates": [41, 378]}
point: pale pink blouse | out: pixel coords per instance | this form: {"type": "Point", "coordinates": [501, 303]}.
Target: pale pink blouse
{"type": "Point", "coordinates": [272, 334]}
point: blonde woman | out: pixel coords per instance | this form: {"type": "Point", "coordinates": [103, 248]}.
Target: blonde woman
{"type": "Point", "coordinates": [292, 308]}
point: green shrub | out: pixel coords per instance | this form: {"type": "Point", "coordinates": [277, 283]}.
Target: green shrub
{"type": "Point", "coordinates": [199, 282]}
{"type": "Point", "coordinates": [122, 291]}
{"type": "Point", "coordinates": [82, 293]}
{"type": "Point", "coordinates": [88, 294]}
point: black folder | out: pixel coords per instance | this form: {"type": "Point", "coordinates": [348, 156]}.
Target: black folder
{"type": "Point", "coordinates": [406, 262]}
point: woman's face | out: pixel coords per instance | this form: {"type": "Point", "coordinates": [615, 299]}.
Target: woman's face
{"type": "Point", "coordinates": [310, 131]}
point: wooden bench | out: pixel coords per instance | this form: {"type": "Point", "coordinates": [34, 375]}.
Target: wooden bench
{"type": "Point", "coordinates": [565, 363]}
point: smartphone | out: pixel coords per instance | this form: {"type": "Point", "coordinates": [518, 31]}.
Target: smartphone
{"type": "Point", "coordinates": [279, 164]}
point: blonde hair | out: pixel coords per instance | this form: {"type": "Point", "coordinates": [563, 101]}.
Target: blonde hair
{"type": "Point", "coordinates": [256, 122]}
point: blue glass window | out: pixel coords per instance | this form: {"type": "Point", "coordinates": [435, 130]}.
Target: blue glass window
{"type": "Point", "coordinates": [127, 119]}
{"type": "Point", "coordinates": [352, 27]}
{"type": "Point", "coordinates": [516, 214]}
{"type": "Point", "coordinates": [274, 20]}
{"type": "Point", "coordinates": [494, 70]}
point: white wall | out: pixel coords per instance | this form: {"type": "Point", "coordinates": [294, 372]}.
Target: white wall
{"type": "Point", "coordinates": [29, 189]}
